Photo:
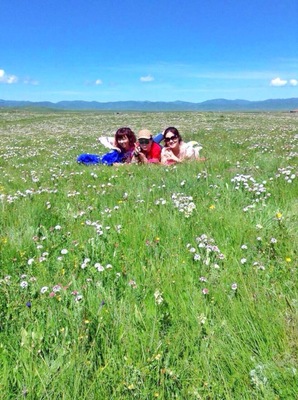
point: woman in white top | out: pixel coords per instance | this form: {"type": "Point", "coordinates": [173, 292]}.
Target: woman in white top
{"type": "Point", "coordinates": [175, 150]}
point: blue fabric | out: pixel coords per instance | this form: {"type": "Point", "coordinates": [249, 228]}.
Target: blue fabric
{"type": "Point", "coordinates": [158, 138]}
{"type": "Point", "coordinates": [88, 159]}
{"type": "Point", "coordinates": [110, 158]}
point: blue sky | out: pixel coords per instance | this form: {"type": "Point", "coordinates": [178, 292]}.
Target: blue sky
{"type": "Point", "coordinates": [157, 50]}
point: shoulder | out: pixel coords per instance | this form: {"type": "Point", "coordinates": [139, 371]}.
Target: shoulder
{"type": "Point", "coordinates": [156, 148]}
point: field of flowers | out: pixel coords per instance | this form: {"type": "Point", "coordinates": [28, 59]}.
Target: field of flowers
{"type": "Point", "coordinates": [143, 282]}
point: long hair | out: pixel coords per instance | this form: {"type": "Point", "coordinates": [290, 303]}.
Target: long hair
{"type": "Point", "coordinates": [174, 131]}
{"type": "Point", "coordinates": [125, 132]}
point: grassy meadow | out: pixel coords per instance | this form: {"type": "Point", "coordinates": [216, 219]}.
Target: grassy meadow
{"type": "Point", "coordinates": [144, 282]}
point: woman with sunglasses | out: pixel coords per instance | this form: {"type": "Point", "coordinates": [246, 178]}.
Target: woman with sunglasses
{"type": "Point", "coordinates": [175, 150]}
{"type": "Point", "coordinates": [146, 150]}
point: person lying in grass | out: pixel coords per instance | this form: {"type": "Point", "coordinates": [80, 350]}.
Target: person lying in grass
{"type": "Point", "coordinates": [125, 140]}
{"type": "Point", "coordinates": [146, 150]}
{"type": "Point", "coordinates": [121, 148]}
{"type": "Point", "coordinates": [176, 151]}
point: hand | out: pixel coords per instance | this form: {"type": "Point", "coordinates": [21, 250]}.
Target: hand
{"type": "Point", "coordinates": [137, 151]}
{"type": "Point", "coordinates": [142, 157]}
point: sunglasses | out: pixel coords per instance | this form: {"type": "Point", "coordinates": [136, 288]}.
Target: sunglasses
{"type": "Point", "coordinates": [144, 141]}
{"type": "Point", "coordinates": [168, 139]}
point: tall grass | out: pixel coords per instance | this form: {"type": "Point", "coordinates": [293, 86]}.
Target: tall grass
{"type": "Point", "coordinates": [148, 282]}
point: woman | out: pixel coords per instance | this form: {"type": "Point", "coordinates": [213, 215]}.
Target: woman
{"type": "Point", "coordinates": [122, 147]}
{"type": "Point", "coordinates": [125, 140]}
{"type": "Point", "coordinates": [175, 150]}
{"type": "Point", "coordinates": [146, 150]}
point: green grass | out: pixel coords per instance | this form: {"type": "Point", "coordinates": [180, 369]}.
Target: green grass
{"type": "Point", "coordinates": [100, 294]}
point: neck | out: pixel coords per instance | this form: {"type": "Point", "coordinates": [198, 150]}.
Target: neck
{"type": "Point", "coordinates": [176, 151]}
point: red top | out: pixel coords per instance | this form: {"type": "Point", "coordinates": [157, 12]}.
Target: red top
{"type": "Point", "coordinates": [154, 153]}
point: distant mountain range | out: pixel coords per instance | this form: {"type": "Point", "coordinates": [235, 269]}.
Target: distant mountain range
{"type": "Point", "coordinates": [209, 105]}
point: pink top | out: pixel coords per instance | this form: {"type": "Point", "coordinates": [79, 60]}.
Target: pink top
{"type": "Point", "coordinates": [186, 152]}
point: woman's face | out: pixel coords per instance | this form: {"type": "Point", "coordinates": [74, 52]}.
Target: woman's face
{"type": "Point", "coordinates": [171, 140]}
{"type": "Point", "coordinates": [123, 142]}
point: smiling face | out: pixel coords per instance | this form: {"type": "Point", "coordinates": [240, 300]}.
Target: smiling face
{"type": "Point", "coordinates": [123, 142]}
{"type": "Point", "coordinates": [145, 145]}
{"type": "Point", "coordinates": [171, 140]}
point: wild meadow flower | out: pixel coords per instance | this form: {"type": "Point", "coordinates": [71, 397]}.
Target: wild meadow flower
{"type": "Point", "coordinates": [118, 228]}
{"type": "Point", "coordinates": [57, 227]}
{"type": "Point", "coordinates": [24, 284]}
{"type": "Point", "coordinates": [244, 247]}
{"type": "Point", "coordinates": [64, 251]}
{"type": "Point", "coordinates": [243, 260]}
{"type": "Point", "coordinates": [158, 297]}
{"type": "Point", "coordinates": [273, 240]}
{"type": "Point", "coordinates": [56, 288]}
{"type": "Point", "coordinates": [30, 261]}
{"type": "Point", "coordinates": [234, 286]}
{"type": "Point", "coordinates": [44, 289]}
{"type": "Point", "coordinates": [278, 216]}
{"type": "Point", "coordinates": [132, 283]}
{"type": "Point", "coordinates": [99, 267]}
{"type": "Point", "coordinates": [205, 291]}
{"type": "Point", "coordinates": [257, 376]}
{"type": "Point", "coordinates": [203, 279]}
{"type": "Point", "coordinates": [202, 319]}
{"type": "Point", "coordinates": [184, 203]}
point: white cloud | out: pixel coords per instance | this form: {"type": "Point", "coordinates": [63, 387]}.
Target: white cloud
{"type": "Point", "coordinates": [278, 82]}
{"type": "Point", "coordinates": [29, 81]}
{"type": "Point", "coordinates": [293, 82]}
{"type": "Point", "coordinates": [4, 78]}
{"type": "Point", "coordinates": [147, 78]}
{"type": "Point", "coordinates": [98, 82]}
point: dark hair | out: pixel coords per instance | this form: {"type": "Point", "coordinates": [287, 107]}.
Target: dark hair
{"type": "Point", "coordinates": [125, 132]}
{"type": "Point", "coordinates": [173, 130]}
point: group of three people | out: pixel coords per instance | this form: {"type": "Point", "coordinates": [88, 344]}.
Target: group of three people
{"type": "Point", "coordinates": [145, 148]}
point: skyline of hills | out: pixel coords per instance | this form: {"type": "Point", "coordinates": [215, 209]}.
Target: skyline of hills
{"type": "Point", "coordinates": [289, 104]}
